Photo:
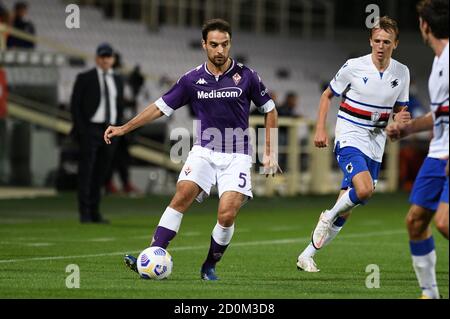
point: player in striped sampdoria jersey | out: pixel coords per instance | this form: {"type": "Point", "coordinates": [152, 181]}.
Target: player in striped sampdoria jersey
{"type": "Point", "coordinates": [430, 190]}
{"type": "Point", "coordinates": [373, 87]}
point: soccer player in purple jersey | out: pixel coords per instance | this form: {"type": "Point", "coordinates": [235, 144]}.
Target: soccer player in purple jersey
{"type": "Point", "coordinates": [220, 92]}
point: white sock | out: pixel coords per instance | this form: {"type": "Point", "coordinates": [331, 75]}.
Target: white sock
{"type": "Point", "coordinates": [332, 234]}
{"type": "Point", "coordinates": [222, 235]}
{"type": "Point", "coordinates": [171, 219]}
{"type": "Point", "coordinates": [424, 267]}
{"type": "Point", "coordinates": [344, 204]}
{"type": "Point", "coordinates": [310, 251]}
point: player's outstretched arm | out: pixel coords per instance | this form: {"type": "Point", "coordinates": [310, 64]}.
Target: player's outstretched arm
{"type": "Point", "coordinates": [151, 113]}
{"type": "Point", "coordinates": [321, 135]}
{"type": "Point", "coordinates": [397, 130]}
{"type": "Point", "coordinates": [270, 162]}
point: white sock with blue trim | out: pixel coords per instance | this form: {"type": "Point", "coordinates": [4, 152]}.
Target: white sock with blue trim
{"type": "Point", "coordinates": [424, 263]}
{"type": "Point", "coordinates": [345, 203]}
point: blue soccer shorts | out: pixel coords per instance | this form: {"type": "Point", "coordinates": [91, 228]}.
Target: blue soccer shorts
{"type": "Point", "coordinates": [444, 195]}
{"type": "Point", "coordinates": [352, 162]}
{"type": "Point", "coordinates": [429, 187]}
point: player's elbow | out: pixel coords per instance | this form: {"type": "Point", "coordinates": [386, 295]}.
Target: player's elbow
{"type": "Point", "coordinates": [272, 113]}
{"type": "Point", "coordinates": [328, 94]}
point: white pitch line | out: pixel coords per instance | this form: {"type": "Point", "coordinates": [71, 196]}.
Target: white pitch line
{"type": "Point", "coordinates": [39, 244]}
{"type": "Point", "coordinates": [238, 244]}
{"type": "Point", "coordinates": [102, 239]}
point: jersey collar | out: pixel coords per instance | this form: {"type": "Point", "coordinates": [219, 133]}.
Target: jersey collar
{"type": "Point", "coordinates": [388, 69]}
{"type": "Point", "coordinates": [205, 67]}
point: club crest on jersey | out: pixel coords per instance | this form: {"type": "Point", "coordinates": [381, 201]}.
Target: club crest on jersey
{"type": "Point", "coordinates": [365, 79]}
{"type": "Point", "coordinates": [237, 78]}
{"type": "Point", "coordinates": [375, 116]}
{"type": "Point", "coordinates": [187, 171]}
{"type": "Point", "coordinates": [349, 168]}
{"type": "Point", "coordinates": [394, 83]}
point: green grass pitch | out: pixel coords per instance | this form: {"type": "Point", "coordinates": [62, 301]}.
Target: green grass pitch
{"type": "Point", "coordinates": [40, 237]}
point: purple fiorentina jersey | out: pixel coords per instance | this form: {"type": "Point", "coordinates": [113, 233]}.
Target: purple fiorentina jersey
{"type": "Point", "coordinates": [222, 105]}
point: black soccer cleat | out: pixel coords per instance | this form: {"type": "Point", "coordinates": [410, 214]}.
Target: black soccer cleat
{"type": "Point", "coordinates": [131, 262]}
{"type": "Point", "coordinates": [208, 273]}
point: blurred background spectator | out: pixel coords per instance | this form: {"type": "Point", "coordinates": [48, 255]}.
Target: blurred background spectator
{"type": "Point", "coordinates": [21, 22]}
{"type": "Point", "coordinates": [289, 106]}
{"type": "Point", "coordinates": [3, 13]}
{"type": "Point", "coordinates": [97, 102]}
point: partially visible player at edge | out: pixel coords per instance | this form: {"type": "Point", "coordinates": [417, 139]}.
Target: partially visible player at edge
{"type": "Point", "coordinates": [430, 191]}
{"type": "Point", "coordinates": [220, 92]}
{"type": "Point", "coordinates": [372, 86]}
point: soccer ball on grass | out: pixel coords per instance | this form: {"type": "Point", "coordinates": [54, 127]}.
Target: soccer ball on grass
{"type": "Point", "coordinates": [154, 263]}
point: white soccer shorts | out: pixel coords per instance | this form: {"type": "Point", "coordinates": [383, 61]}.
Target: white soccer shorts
{"type": "Point", "coordinates": [231, 172]}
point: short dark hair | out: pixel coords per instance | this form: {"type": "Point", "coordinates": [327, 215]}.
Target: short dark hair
{"type": "Point", "coordinates": [387, 24]}
{"type": "Point", "coordinates": [215, 25]}
{"type": "Point", "coordinates": [435, 13]}
{"type": "Point", "coordinates": [291, 94]}
{"type": "Point", "coordinates": [21, 5]}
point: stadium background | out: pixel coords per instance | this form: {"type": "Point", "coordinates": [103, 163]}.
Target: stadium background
{"type": "Point", "coordinates": [296, 46]}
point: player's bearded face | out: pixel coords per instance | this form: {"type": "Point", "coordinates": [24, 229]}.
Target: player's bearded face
{"type": "Point", "coordinates": [217, 47]}
{"type": "Point", "coordinates": [383, 44]}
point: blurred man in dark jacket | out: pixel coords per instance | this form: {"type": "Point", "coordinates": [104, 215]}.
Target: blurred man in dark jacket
{"type": "Point", "coordinates": [21, 23]}
{"type": "Point", "coordinates": [97, 102]}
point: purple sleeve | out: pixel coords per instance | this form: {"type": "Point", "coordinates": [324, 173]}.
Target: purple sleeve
{"type": "Point", "coordinates": [175, 98]}
{"type": "Point", "coordinates": [259, 94]}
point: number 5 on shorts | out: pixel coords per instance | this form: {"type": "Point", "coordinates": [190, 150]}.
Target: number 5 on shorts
{"type": "Point", "coordinates": [243, 176]}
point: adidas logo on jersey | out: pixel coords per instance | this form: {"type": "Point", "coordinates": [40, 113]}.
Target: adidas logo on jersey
{"type": "Point", "coordinates": [201, 81]}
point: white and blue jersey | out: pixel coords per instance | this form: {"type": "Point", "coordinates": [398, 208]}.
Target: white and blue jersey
{"type": "Point", "coordinates": [369, 98]}
{"type": "Point", "coordinates": [438, 88]}
{"type": "Point", "coordinates": [431, 184]}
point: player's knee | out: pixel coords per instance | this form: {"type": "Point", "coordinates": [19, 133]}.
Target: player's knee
{"type": "Point", "coordinates": [415, 225]}
{"type": "Point", "coordinates": [365, 193]}
{"type": "Point", "coordinates": [226, 217]}
{"type": "Point", "coordinates": [182, 199]}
